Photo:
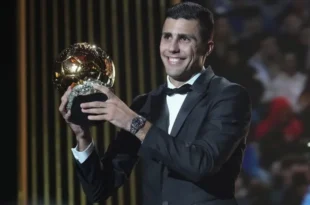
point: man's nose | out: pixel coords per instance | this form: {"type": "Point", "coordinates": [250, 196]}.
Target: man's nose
{"type": "Point", "coordinates": [174, 46]}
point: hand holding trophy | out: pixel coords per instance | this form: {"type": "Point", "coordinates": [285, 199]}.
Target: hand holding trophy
{"type": "Point", "coordinates": [80, 66]}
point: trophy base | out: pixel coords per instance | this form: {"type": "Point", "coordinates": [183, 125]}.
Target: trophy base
{"type": "Point", "coordinates": [77, 116]}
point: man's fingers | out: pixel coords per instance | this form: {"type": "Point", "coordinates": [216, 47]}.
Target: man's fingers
{"type": "Point", "coordinates": [104, 90]}
{"type": "Point", "coordinates": [67, 115]}
{"type": "Point", "coordinates": [62, 107]}
{"type": "Point", "coordinates": [97, 111]}
{"type": "Point", "coordinates": [97, 117]}
{"type": "Point", "coordinates": [95, 104]}
{"type": "Point", "coordinates": [64, 100]}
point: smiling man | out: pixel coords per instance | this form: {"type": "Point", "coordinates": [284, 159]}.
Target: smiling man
{"type": "Point", "coordinates": [189, 133]}
{"type": "Point", "coordinates": [183, 49]}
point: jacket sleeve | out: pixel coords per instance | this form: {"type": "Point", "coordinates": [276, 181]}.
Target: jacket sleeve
{"type": "Point", "coordinates": [226, 124]}
{"type": "Point", "coordinates": [99, 176]}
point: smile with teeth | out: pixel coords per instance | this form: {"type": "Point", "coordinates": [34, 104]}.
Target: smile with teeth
{"type": "Point", "coordinates": [174, 60]}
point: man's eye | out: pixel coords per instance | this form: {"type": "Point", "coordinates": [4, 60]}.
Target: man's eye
{"type": "Point", "coordinates": [166, 36]}
{"type": "Point", "coordinates": [184, 39]}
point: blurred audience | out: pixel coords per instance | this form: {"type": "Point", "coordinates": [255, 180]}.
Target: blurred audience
{"type": "Point", "coordinates": [289, 82]}
{"type": "Point", "coordinates": [264, 45]}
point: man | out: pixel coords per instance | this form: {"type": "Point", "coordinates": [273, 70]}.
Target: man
{"type": "Point", "coordinates": [191, 151]}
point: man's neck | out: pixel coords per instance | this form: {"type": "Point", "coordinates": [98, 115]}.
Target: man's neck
{"type": "Point", "coordinates": [176, 83]}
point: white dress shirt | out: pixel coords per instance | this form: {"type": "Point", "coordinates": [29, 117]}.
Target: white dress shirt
{"type": "Point", "coordinates": [174, 103]}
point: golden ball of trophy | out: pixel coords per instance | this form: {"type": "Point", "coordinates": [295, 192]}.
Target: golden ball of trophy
{"type": "Point", "coordinates": [80, 66]}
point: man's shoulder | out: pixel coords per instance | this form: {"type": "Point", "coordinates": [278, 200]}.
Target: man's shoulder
{"type": "Point", "coordinates": [219, 84]}
{"type": "Point", "coordinates": [140, 97]}
{"type": "Point", "coordinates": [228, 93]}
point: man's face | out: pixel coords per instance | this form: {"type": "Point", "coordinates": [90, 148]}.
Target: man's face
{"type": "Point", "coordinates": [181, 48]}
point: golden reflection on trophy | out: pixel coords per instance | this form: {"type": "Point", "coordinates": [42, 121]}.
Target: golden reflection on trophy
{"type": "Point", "coordinates": [80, 66]}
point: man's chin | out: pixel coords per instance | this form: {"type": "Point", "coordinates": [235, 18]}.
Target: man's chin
{"type": "Point", "coordinates": [178, 77]}
{"type": "Point", "coordinates": [173, 70]}
{"type": "Point", "coordinates": [173, 75]}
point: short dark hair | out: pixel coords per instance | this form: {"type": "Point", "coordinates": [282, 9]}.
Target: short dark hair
{"type": "Point", "coordinates": [194, 11]}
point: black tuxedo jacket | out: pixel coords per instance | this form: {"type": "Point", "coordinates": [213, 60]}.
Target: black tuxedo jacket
{"type": "Point", "coordinates": [197, 164]}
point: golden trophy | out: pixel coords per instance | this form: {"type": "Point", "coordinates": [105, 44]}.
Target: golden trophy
{"type": "Point", "coordinates": [80, 66]}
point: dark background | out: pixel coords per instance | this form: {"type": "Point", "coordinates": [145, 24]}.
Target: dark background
{"type": "Point", "coordinates": [8, 150]}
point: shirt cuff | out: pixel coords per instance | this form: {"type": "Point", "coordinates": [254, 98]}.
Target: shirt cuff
{"type": "Point", "coordinates": [82, 156]}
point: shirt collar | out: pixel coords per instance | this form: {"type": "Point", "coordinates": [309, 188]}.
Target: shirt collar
{"type": "Point", "coordinates": [190, 81]}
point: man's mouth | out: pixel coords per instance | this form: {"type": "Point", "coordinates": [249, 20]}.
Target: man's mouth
{"type": "Point", "coordinates": [174, 60]}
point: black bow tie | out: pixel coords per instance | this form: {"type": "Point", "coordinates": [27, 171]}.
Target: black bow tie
{"type": "Point", "coordinates": [181, 90]}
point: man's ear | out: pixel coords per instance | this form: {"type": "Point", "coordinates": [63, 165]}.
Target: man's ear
{"type": "Point", "coordinates": [210, 46]}
{"type": "Point", "coordinates": [207, 49]}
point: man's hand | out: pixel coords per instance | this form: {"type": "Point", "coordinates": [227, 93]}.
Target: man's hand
{"type": "Point", "coordinates": [82, 134]}
{"type": "Point", "coordinates": [113, 109]}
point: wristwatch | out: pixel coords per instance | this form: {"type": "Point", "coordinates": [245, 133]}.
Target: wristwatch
{"type": "Point", "coordinates": [136, 124]}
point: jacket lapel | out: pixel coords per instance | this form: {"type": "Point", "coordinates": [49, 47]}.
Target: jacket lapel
{"type": "Point", "coordinates": [199, 90]}
{"type": "Point", "coordinates": [189, 103]}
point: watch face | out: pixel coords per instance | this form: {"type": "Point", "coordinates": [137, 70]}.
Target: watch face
{"type": "Point", "coordinates": [137, 124]}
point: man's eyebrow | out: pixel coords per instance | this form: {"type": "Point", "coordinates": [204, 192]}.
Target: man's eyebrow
{"type": "Point", "coordinates": [166, 33]}
{"type": "Point", "coordinates": [181, 35]}
{"type": "Point", "coordinates": [188, 36]}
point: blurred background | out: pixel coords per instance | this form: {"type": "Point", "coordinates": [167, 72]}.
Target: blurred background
{"type": "Point", "coordinates": [263, 45]}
